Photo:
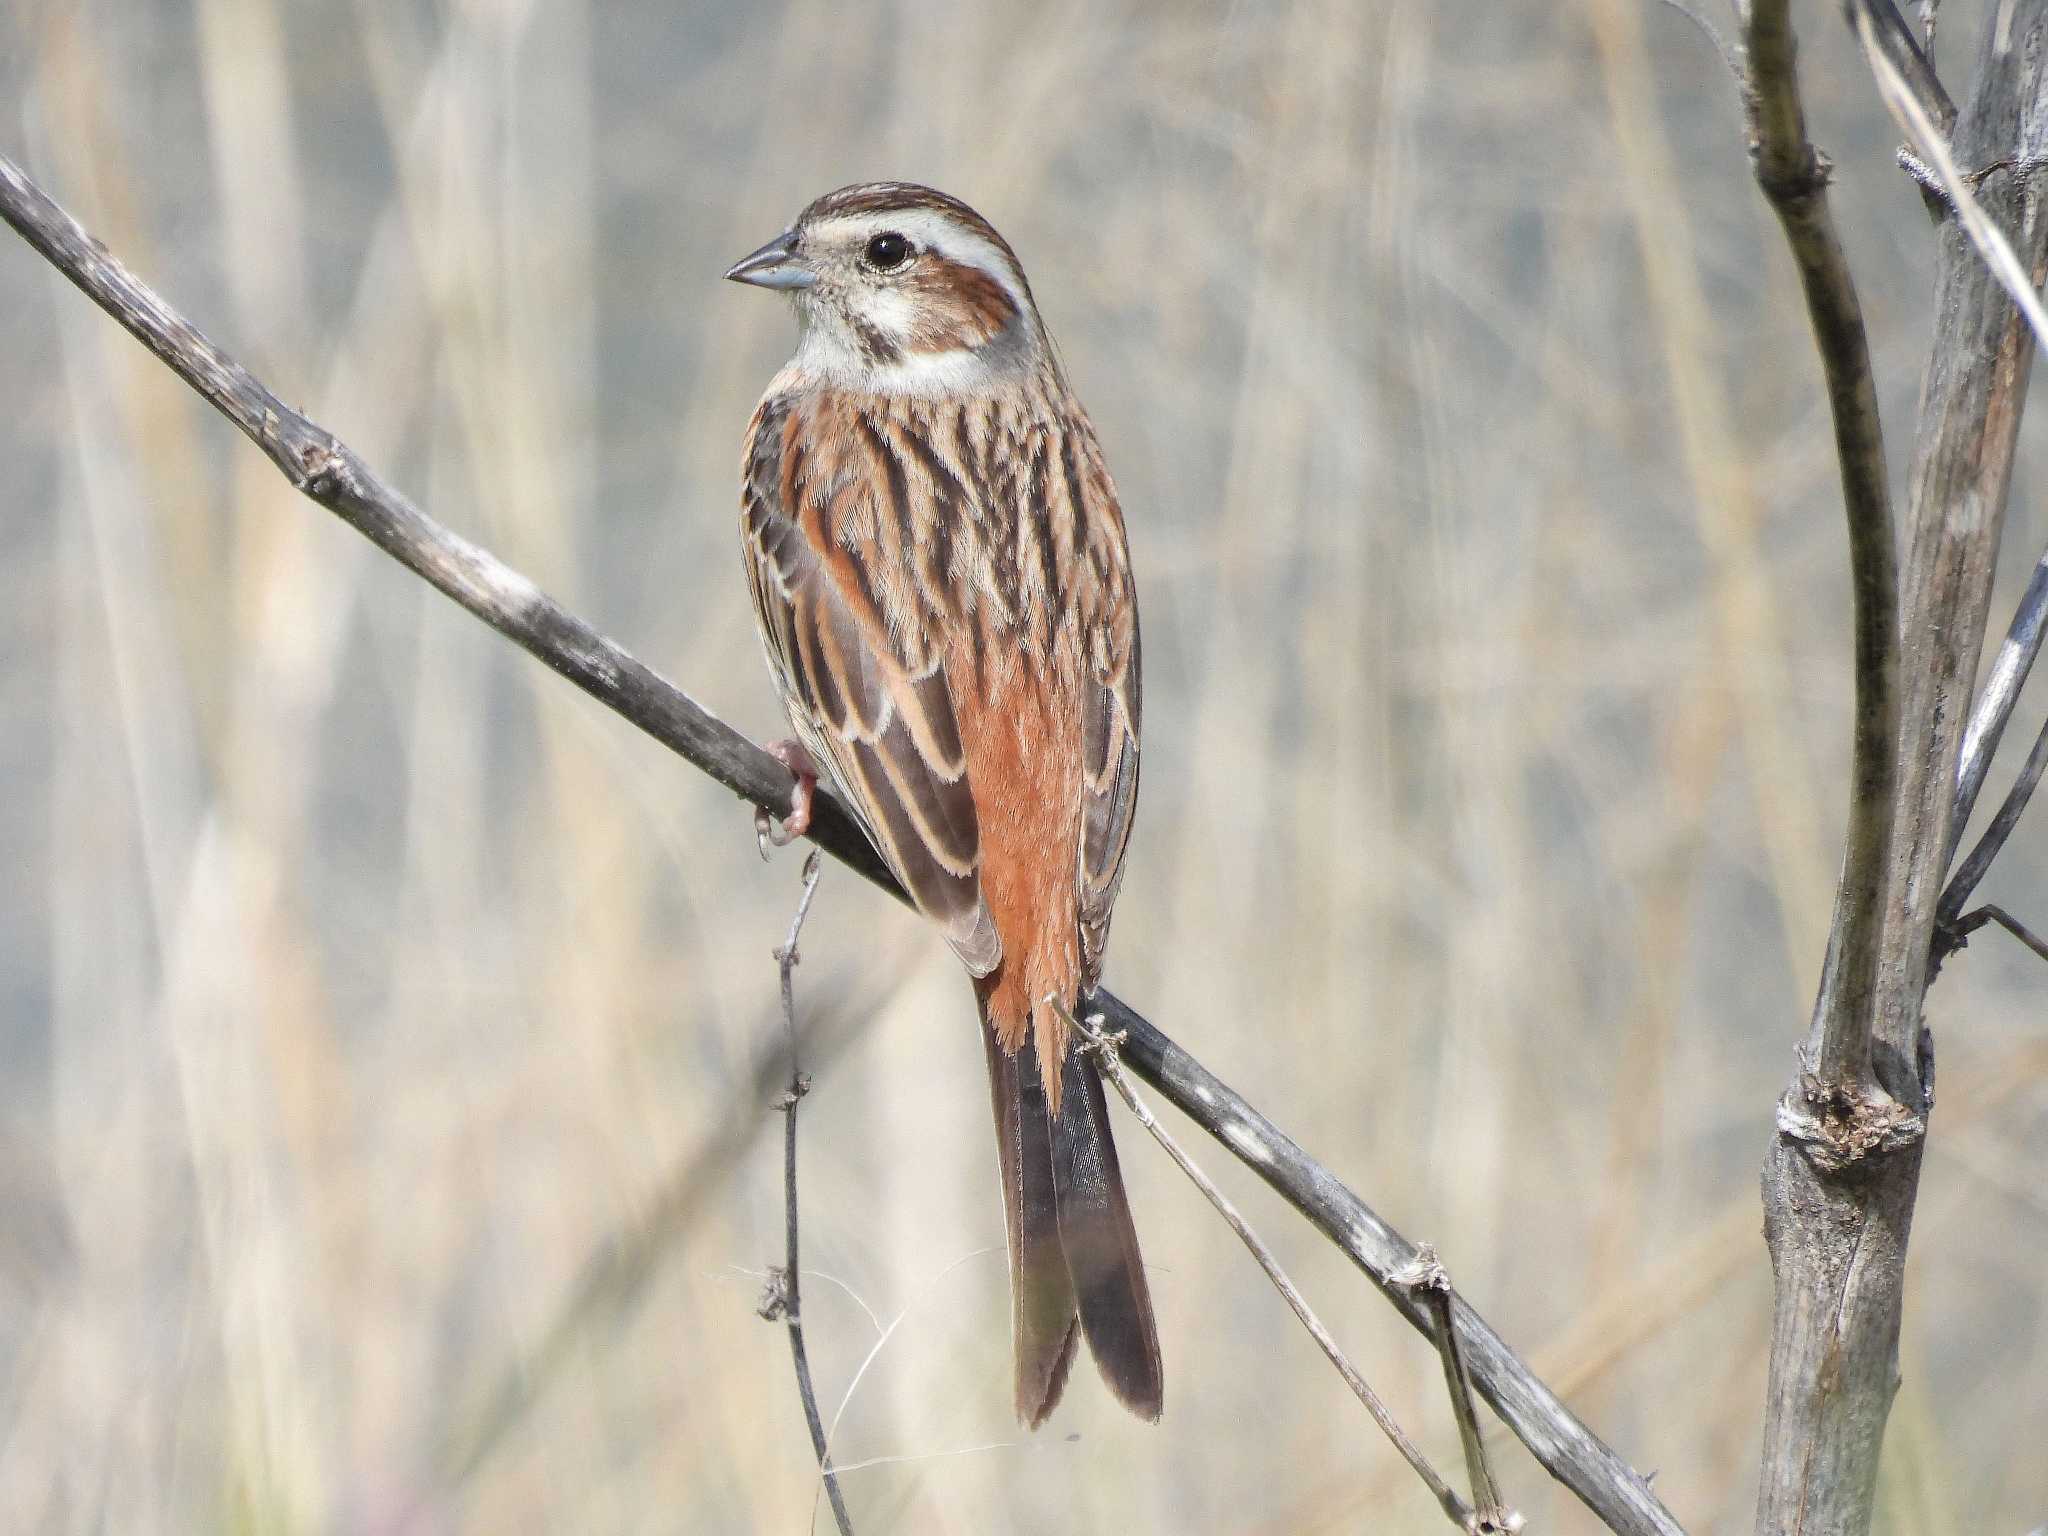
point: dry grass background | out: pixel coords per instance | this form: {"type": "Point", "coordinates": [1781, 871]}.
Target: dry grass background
{"type": "Point", "coordinates": [361, 985]}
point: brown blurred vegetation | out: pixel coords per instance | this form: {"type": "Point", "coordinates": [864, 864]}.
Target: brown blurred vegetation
{"type": "Point", "coordinates": [361, 984]}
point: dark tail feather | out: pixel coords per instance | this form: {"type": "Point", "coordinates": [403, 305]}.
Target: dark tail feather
{"type": "Point", "coordinates": [1073, 1249]}
{"type": "Point", "coordinates": [1041, 1293]}
{"type": "Point", "coordinates": [1101, 1244]}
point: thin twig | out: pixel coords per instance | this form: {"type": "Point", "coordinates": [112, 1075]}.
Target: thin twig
{"type": "Point", "coordinates": [1102, 1048]}
{"type": "Point", "coordinates": [328, 472]}
{"type": "Point", "coordinates": [1970, 922]}
{"type": "Point", "coordinates": [612, 1279]}
{"type": "Point", "coordinates": [1914, 63]}
{"type": "Point", "coordinates": [1428, 1278]}
{"type": "Point", "coordinates": [1794, 179]}
{"type": "Point", "coordinates": [1731, 54]}
{"type": "Point", "coordinates": [1965, 881]}
{"type": "Point", "coordinates": [1577, 1458]}
{"type": "Point", "coordinates": [1988, 716]}
{"type": "Point", "coordinates": [783, 1299]}
{"type": "Point", "coordinates": [1930, 144]}
{"type": "Point", "coordinates": [881, 1343]}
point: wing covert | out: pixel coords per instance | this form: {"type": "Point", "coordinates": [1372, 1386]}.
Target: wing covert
{"type": "Point", "coordinates": [877, 718]}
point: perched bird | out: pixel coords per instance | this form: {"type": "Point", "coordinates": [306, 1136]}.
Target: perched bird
{"type": "Point", "coordinates": [944, 592]}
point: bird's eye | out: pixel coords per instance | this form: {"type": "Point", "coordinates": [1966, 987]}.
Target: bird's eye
{"type": "Point", "coordinates": [887, 252]}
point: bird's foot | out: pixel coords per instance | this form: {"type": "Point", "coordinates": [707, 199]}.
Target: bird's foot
{"type": "Point", "coordinates": [767, 830]}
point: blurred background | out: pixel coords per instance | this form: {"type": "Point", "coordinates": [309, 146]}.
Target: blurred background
{"type": "Point", "coordinates": [384, 1137]}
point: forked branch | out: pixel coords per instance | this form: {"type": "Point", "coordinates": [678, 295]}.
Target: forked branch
{"type": "Point", "coordinates": [1428, 1277]}
{"type": "Point", "coordinates": [1842, 1174]}
{"type": "Point", "coordinates": [1102, 1050]}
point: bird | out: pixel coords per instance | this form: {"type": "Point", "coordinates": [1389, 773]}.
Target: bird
{"type": "Point", "coordinates": [939, 569]}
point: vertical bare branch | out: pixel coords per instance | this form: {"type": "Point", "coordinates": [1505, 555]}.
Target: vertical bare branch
{"type": "Point", "coordinates": [1835, 1328]}
{"type": "Point", "coordinates": [1974, 394]}
{"type": "Point", "coordinates": [783, 1299]}
{"type": "Point", "coordinates": [1916, 121]}
{"type": "Point", "coordinates": [1794, 179]}
{"type": "Point", "coordinates": [1843, 1171]}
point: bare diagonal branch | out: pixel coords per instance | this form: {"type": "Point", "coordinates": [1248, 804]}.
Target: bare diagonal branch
{"type": "Point", "coordinates": [1994, 706]}
{"type": "Point", "coordinates": [1884, 29]}
{"type": "Point", "coordinates": [1566, 1448]}
{"type": "Point", "coordinates": [1930, 141]}
{"type": "Point", "coordinates": [326, 470]}
{"type": "Point", "coordinates": [1970, 922]}
{"type": "Point", "coordinates": [1972, 871]}
{"type": "Point", "coordinates": [1104, 1049]}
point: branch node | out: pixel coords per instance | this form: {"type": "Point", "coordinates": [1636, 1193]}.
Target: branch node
{"type": "Point", "coordinates": [1425, 1272]}
{"type": "Point", "coordinates": [1844, 1130]}
{"type": "Point", "coordinates": [1805, 180]}
{"type": "Point", "coordinates": [1951, 935]}
{"type": "Point", "coordinates": [777, 1303]}
{"type": "Point", "coordinates": [1101, 1043]}
{"type": "Point", "coordinates": [791, 1096]}
{"type": "Point", "coordinates": [1425, 1276]}
{"type": "Point", "coordinates": [1094, 1038]}
{"type": "Point", "coordinates": [1505, 1522]}
{"type": "Point", "coordinates": [314, 461]}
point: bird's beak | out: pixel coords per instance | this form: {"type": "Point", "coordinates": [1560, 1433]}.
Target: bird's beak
{"type": "Point", "coordinates": [775, 265]}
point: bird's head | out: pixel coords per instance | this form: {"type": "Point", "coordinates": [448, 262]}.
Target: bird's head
{"type": "Point", "coordinates": [902, 289]}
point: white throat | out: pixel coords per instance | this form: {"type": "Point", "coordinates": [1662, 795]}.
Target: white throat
{"type": "Point", "coordinates": [827, 354]}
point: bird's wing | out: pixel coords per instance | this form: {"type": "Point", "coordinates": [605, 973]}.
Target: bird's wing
{"type": "Point", "coordinates": [1112, 701]}
{"type": "Point", "coordinates": [881, 713]}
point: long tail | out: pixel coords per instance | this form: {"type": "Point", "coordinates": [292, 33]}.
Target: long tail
{"type": "Point", "coordinates": [1073, 1250]}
